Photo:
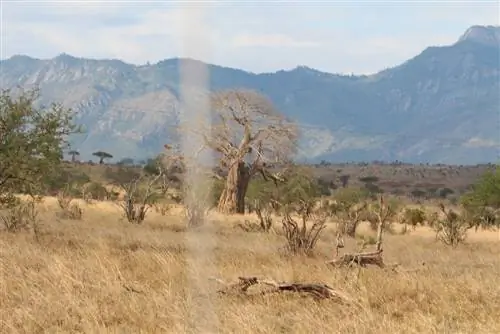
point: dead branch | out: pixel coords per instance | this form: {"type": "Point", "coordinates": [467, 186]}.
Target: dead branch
{"type": "Point", "coordinates": [317, 290]}
{"type": "Point", "coordinates": [360, 259]}
{"type": "Point", "coordinates": [367, 258]}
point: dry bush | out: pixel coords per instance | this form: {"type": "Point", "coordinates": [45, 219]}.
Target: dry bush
{"type": "Point", "coordinates": [482, 218]}
{"type": "Point", "coordinates": [265, 219]}
{"type": "Point", "coordinates": [302, 234]}
{"type": "Point", "coordinates": [350, 218]}
{"type": "Point", "coordinates": [69, 209]}
{"type": "Point", "coordinates": [196, 213]}
{"type": "Point", "coordinates": [163, 208]}
{"type": "Point", "coordinates": [95, 191]}
{"type": "Point", "coordinates": [452, 229]}
{"type": "Point", "coordinates": [382, 213]}
{"type": "Point", "coordinates": [138, 200]}
{"type": "Point", "coordinates": [20, 216]}
{"type": "Point", "coordinates": [350, 208]}
{"type": "Point", "coordinates": [413, 217]}
{"type": "Point", "coordinates": [432, 219]}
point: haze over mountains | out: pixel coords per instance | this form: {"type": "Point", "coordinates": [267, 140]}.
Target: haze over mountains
{"type": "Point", "coordinates": [442, 106]}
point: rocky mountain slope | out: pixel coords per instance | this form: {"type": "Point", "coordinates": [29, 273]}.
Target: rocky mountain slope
{"type": "Point", "coordinates": [441, 106]}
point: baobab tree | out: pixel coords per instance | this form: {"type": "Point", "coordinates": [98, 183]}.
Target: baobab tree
{"type": "Point", "coordinates": [248, 134]}
{"type": "Point", "coordinates": [73, 154]}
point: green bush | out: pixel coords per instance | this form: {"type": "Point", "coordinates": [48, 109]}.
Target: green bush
{"type": "Point", "coordinates": [482, 203]}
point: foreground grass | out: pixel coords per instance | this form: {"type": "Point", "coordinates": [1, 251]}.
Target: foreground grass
{"type": "Point", "coordinates": [103, 275]}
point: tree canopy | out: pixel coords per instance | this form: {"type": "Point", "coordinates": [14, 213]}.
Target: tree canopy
{"type": "Point", "coordinates": [248, 133]}
{"type": "Point", "coordinates": [482, 203]}
{"type": "Point", "coordinates": [32, 141]}
{"type": "Point", "coordinates": [102, 155]}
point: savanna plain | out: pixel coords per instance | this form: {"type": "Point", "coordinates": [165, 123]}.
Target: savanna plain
{"type": "Point", "coordinates": [101, 274]}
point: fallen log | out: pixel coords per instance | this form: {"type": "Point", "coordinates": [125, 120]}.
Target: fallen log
{"type": "Point", "coordinates": [317, 290]}
{"type": "Point", "coordinates": [360, 259]}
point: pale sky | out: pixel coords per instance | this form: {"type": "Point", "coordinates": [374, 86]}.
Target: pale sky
{"type": "Point", "coordinates": [360, 37]}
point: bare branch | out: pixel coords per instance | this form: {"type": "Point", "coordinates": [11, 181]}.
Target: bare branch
{"type": "Point", "coordinates": [317, 290]}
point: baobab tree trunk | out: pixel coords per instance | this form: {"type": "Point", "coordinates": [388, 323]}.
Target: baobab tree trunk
{"type": "Point", "coordinates": [232, 199]}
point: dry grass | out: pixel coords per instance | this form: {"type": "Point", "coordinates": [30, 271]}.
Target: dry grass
{"type": "Point", "coordinates": [103, 275]}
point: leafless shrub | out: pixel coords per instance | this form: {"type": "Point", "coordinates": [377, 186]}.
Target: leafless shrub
{"type": "Point", "coordinates": [138, 200]}
{"type": "Point", "coordinates": [452, 230]}
{"type": "Point", "coordinates": [303, 234]}
{"type": "Point", "coordinates": [163, 208]}
{"type": "Point", "coordinates": [265, 220]}
{"type": "Point", "coordinates": [69, 209]}
{"type": "Point", "coordinates": [368, 258]}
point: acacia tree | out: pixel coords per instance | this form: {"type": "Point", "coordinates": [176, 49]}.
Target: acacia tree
{"type": "Point", "coordinates": [102, 155]}
{"type": "Point", "coordinates": [32, 141]}
{"type": "Point", "coordinates": [248, 134]}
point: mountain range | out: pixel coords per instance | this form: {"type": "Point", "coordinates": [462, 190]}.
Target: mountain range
{"type": "Point", "coordinates": [441, 106]}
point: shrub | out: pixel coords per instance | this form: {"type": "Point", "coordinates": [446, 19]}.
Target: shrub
{"type": "Point", "coordinates": [413, 217]}
{"type": "Point", "coordinates": [20, 216]}
{"type": "Point", "coordinates": [452, 230]}
{"type": "Point", "coordinates": [349, 207]}
{"type": "Point", "coordinates": [138, 200]}
{"type": "Point", "coordinates": [96, 191]}
{"type": "Point", "coordinates": [69, 210]}
{"type": "Point", "coordinates": [302, 234]}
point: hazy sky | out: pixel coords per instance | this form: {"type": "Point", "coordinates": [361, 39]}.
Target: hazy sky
{"type": "Point", "coordinates": [260, 36]}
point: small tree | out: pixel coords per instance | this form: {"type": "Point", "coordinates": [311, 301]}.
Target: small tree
{"type": "Point", "coordinates": [73, 154]}
{"type": "Point", "coordinates": [482, 204]}
{"type": "Point", "coordinates": [344, 179]}
{"type": "Point", "coordinates": [32, 141]}
{"type": "Point", "coordinates": [247, 133]}
{"type": "Point", "coordinates": [349, 205]}
{"type": "Point", "coordinates": [102, 155]}
{"type": "Point", "coordinates": [413, 217]}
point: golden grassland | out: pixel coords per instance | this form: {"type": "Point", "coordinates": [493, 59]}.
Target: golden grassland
{"type": "Point", "coordinates": [104, 275]}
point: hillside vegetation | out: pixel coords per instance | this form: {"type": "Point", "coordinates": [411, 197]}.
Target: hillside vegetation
{"type": "Point", "coordinates": [440, 106]}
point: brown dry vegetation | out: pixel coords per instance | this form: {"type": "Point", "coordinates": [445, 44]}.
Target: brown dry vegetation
{"type": "Point", "coordinates": [403, 179]}
{"type": "Point", "coordinates": [102, 274]}
{"type": "Point", "coordinates": [400, 179]}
